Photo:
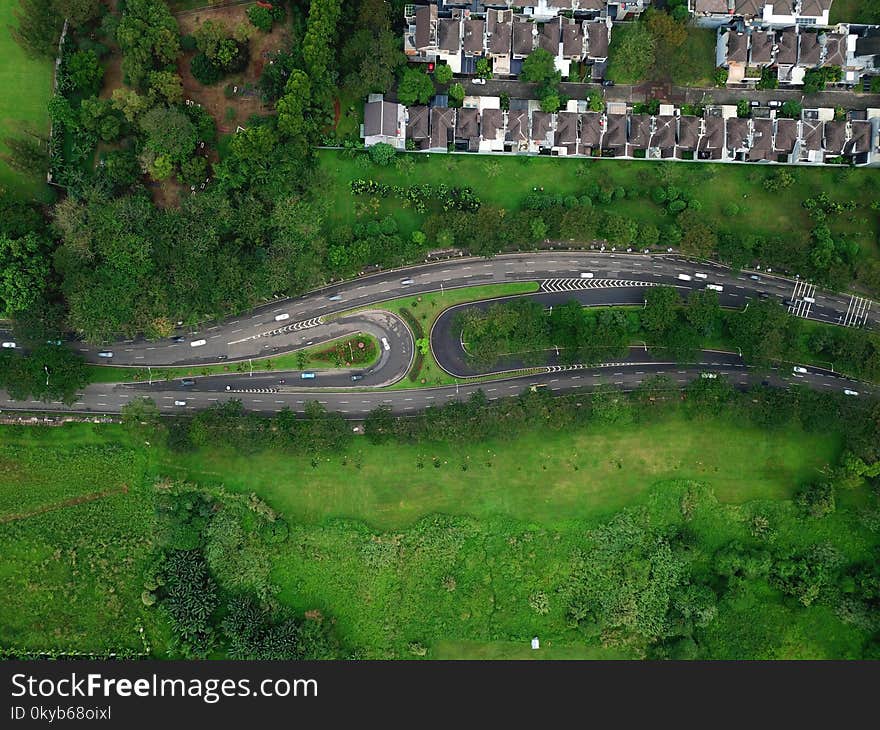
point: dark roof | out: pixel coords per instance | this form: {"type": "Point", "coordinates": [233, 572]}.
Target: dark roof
{"type": "Point", "coordinates": [417, 122]}
{"type": "Point", "coordinates": [467, 123]}
{"type": "Point", "coordinates": [424, 15]}
{"type": "Point", "coordinates": [442, 122]}
{"type": "Point", "coordinates": [737, 133]}
{"type": "Point", "coordinates": [597, 39]}
{"type": "Point", "coordinates": [499, 26]}
{"type": "Point", "coordinates": [788, 47]}
{"type": "Point", "coordinates": [813, 134]}
{"type": "Point", "coordinates": [492, 120]}
{"type": "Point", "coordinates": [737, 46]}
{"type": "Point", "coordinates": [835, 137]}
{"type": "Point", "coordinates": [591, 129]}
{"type": "Point", "coordinates": [566, 128]}
{"type": "Point", "coordinates": [815, 8]}
{"type": "Point", "coordinates": [868, 45]}
{"type": "Point", "coordinates": [835, 49]}
{"type": "Point", "coordinates": [473, 36]}
{"type": "Point", "coordinates": [639, 130]}
{"type": "Point", "coordinates": [523, 41]}
{"type": "Point", "coordinates": [541, 125]}
{"type": "Point", "coordinates": [559, 3]}
{"type": "Point", "coordinates": [718, 7]}
{"type": "Point", "coordinates": [517, 125]}
{"type": "Point", "coordinates": [762, 139]}
{"type": "Point", "coordinates": [861, 136]}
{"type": "Point", "coordinates": [572, 39]}
{"type": "Point", "coordinates": [449, 34]}
{"type": "Point", "coordinates": [380, 118]}
{"type": "Point", "coordinates": [688, 132]}
{"type": "Point", "coordinates": [548, 37]}
{"type": "Point", "coordinates": [786, 135]}
{"type": "Point", "coordinates": [664, 133]}
{"type": "Point", "coordinates": [810, 50]}
{"type": "Point", "coordinates": [712, 142]}
{"type": "Point", "coordinates": [762, 46]}
{"type": "Point", "coordinates": [615, 134]}
{"type": "Point", "coordinates": [748, 8]}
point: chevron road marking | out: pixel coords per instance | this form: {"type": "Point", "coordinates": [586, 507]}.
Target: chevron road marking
{"type": "Point", "coordinates": [561, 285]}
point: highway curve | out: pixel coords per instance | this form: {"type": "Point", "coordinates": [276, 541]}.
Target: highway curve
{"type": "Point", "coordinates": [287, 325]}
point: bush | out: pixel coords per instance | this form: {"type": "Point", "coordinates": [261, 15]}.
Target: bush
{"type": "Point", "coordinates": [816, 500]}
{"type": "Point", "coordinates": [188, 43]}
{"type": "Point", "coordinates": [720, 76]}
{"type": "Point", "coordinates": [382, 154]}
{"type": "Point", "coordinates": [260, 17]}
{"type": "Point", "coordinates": [443, 74]}
{"type": "Point", "coordinates": [204, 71]}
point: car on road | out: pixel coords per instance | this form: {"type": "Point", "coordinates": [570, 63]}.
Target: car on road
{"type": "Point", "coordinates": [187, 381]}
{"type": "Point", "coordinates": [478, 81]}
{"type": "Point", "coordinates": [406, 282]}
{"type": "Point", "coordinates": [790, 302]}
{"type": "Point", "coordinates": [607, 82]}
{"type": "Point", "coordinates": [178, 338]}
{"type": "Point", "coordinates": [282, 317]}
{"type": "Point", "coordinates": [847, 391]}
{"type": "Point", "coordinates": [710, 376]}
{"type": "Point", "coordinates": [222, 357]}
{"type": "Point", "coordinates": [334, 297]}
{"type": "Point", "coordinates": [763, 295]}
{"type": "Point", "coordinates": [356, 377]}
{"type": "Point", "coordinates": [701, 275]}
{"type": "Point", "coordinates": [809, 300]}
{"type": "Point", "coordinates": [198, 343]}
{"type": "Point", "coordinates": [715, 287]}
{"type": "Point", "coordinates": [9, 345]}
{"type": "Point", "coordinates": [685, 277]}
{"type": "Point", "coordinates": [775, 104]}
{"type": "Point", "coordinates": [281, 381]}
{"type": "Point", "coordinates": [754, 277]}
{"type": "Point", "coordinates": [180, 402]}
{"type": "Point", "coordinates": [799, 369]}
{"type": "Point", "coordinates": [308, 376]}
{"type": "Point", "coordinates": [385, 344]}
{"type": "Point", "coordinates": [105, 353]}
{"type": "Point", "coordinates": [754, 103]}
{"type": "Point", "coordinates": [57, 343]}
{"type": "Point", "coordinates": [586, 275]}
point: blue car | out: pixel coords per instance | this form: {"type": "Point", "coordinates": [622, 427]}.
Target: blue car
{"type": "Point", "coordinates": [307, 376]}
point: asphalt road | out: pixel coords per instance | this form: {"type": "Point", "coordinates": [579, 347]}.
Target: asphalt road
{"type": "Point", "coordinates": [618, 278]}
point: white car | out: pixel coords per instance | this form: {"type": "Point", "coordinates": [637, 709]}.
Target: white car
{"type": "Point", "coordinates": [847, 391]}
{"type": "Point", "coordinates": [479, 81]}
{"type": "Point", "coordinates": [406, 282]}
{"type": "Point", "coordinates": [282, 317]}
{"type": "Point", "coordinates": [809, 300]}
{"type": "Point", "coordinates": [685, 277]}
{"type": "Point", "coordinates": [180, 402]}
{"type": "Point", "coordinates": [586, 275]}
{"type": "Point", "coordinates": [715, 287]}
{"type": "Point", "coordinates": [105, 353]}
{"type": "Point", "coordinates": [701, 275]}
{"type": "Point", "coordinates": [198, 343]}
{"type": "Point", "coordinates": [385, 344]}
{"type": "Point", "coordinates": [709, 375]}
{"type": "Point", "coordinates": [799, 369]}
{"type": "Point", "coordinates": [9, 345]}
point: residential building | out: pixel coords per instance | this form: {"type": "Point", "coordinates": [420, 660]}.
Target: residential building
{"type": "Point", "coordinates": [384, 121]}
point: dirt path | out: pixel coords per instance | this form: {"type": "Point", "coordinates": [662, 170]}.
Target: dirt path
{"type": "Point", "coordinates": [82, 499]}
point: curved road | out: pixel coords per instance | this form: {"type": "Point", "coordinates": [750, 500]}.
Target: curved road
{"type": "Point", "coordinates": [285, 325]}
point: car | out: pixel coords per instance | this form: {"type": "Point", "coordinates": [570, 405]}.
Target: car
{"type": "Point", "coordinates": [710, 376]}
{"type": "Point", "coordinates": [406, 282]}
{"type": "Point", "coordinates": [847, 391]}
{"type": "Point", "coordinates": [334, 297]}
{"type": "Point", "coordinates": [754, 103]}
{"type": "Point", "coordinates": [754, 277]}
{"type": "Point", "coordinates": [187, 381]}
{"type": "Point", "coordinates": [685, 277]}
{"type": "Point", "coordinates": [774, 104]}
{"type": "Point", "coordinates": [222, 357]}
{"type": "Point", "coordinates": [385, 344]}
{"type": "Point", "coordinates": [281, 381]}
{"type": "Point", "coordinates": [809, 300]}
{"type": "Point", "coordinates": [282, 317]}
{"type": "Point", "coordinates": [308, 376]}
{"type": "Point", "coordinates": [701, 275]}
{"type": "Point", "coordinates": [586, 275]}
{"type": "Point", "coordinates": [715, 287]}
{"type": "Point", "coordinates": [9, 345]}
{"type": "Point", "coordinates": [356, 377]}
{"type": "Point", "coordinates": [607, 82]}
{"type": "Point", "coordinates": [178, 338]}
{"type": "Point", "coordinates": [198, 343]}
{"type": "Point", "coordinates": [799, 369]}
{"type": "Point", "coordinates": [57, 343]}
{"type": "Point", "coordinates": [105, 353]}
{"type": "Point", "coordinates": [180, 402]}
{"type": "Point", "coordinates": [764, 295]}
{"type": "Point", "coordinates": [478, 81]}
{"type": "Point", "coordinates": [789, 302]}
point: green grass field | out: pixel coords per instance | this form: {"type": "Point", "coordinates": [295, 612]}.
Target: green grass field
{"type": "Point", "coordinates": [854, 11]}
{"type": "Point", "coordinates": [25, 88]}
{"type": "Point", "coordinates": [413, 562]}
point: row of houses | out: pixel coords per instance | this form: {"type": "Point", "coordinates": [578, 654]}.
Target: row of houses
{"type": "Point", "coordinates": [774, 13]}
{"type": "Point", "coordinates": [746, 50]}
{"type": "Point", "coordinates": [502, 36]}
{"type": "Point", "coordinates": [719, 135]}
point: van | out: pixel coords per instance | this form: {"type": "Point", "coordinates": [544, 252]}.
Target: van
{"type": "Point", "coordinates": [282, 317]}
{"type": "Point", "coordinates": [385, 344]}
{"type": "Point", "coordinates": [809, 300]}
{"type": "Point", "coordinates": [586, 275]}
{"type": "Point", "coordinates": [307, 376]}
{"type": "Point", "coordinates": [198, 343]}
{"type": "Point", "coordinates": [715, 287]}
{"type": "Point", "coordinates": [180, 402]}
{"type": "Point", "coordinates": [701, 275]}
{"type": "Point", "coordinates": [685, 277]}
{"type": "Point", "coordinates": [105, 353]}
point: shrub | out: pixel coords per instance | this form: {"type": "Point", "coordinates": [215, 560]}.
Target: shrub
{"type": "Point", "coordinates": [205, 72]}
{"type": "Point", "coordinates": [382, 154]}
{"type": "Point", "coordinates": [260, 17]}
{"type": "Point", "coordinates": [720, 76]}
{"type": "Point", "coordinates": [443, 74]}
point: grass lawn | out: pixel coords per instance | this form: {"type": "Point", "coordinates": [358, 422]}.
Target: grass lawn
{"type": "Point", "coordinates": [509, 650]}
{"type": "Point", "coordinates": [25, 88]}
{"type": "Point", "coordinates": [696, 60]}
{"type": "Point", "coordinates": [505, 181]}
{"type": "Point", "coordinates": [854, 11]}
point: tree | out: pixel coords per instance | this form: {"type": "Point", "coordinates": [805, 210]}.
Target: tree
{"type": "Point", "coordinates": [169, 132]}
{"type": "Point", "coordinates": [484, 68]}
{"type": "Point", "coordinates": [669, 35]}
{"type": "Point", "coordinates": [166, 86]}
{"type": "Point", "coordinates": [550, 103]}
{"type": "Point", "coordinates": [703, 311]}
{"type": "Point", "coordinates": [190, 597]}
{"type": "Point", "coordinates": [86, 72]}
{"type": "Point", "coordinates": [456, 95]}
{"type": "Point", "coordinates": [37, 28]}
{"type": "Point", "coordinates": [539, 67]}
{"type": "Point", "coordinates": [129, 103]}
{"type": "Point", "coordinates": [78, 12]}
{"type": "Point", "coordinates": [382, 154]}
{"type": "Point", "coordinates": [443, 74]}
{"type": "Point", "coordinates": [148, 37]}
{"type": "Point", "coordinates": [661, 309]}
{"type": "Point", "coordinates": [48, 372]}
{"type": "Point", "coordinates": [415, 87]}
{"type": "Point", "coordinates": [141, 416]}
{"type": "Point", "coordinates": [260, 17]}
{"type": "Point", "coordinates": [28, 153]}
{"type": "Point", "coordinates": [631, 54]}
{"type": "Point", "coordinates": [792, 109]}
{"type": "Point", "coordinates": [697, 238]}
{"type": "Point", "coordinates": [24, 271]}
{"type": "Point", "coordinates": [379, 425]}
{"type": "Point", "coordinates": [816, 500]}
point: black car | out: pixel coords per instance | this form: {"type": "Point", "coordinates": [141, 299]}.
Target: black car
{"type": "Point", "coordinates": [607, 82]}
{"type": "Point", "coordinates": [187, 381]}
{"type": "Point", "coordinates": [178, 338]}
{"type": "Point", "coordinates": [763, 295]}
{"type": "Point", "coordinates": [789, 302]}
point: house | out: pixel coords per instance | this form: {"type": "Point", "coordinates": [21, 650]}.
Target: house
{"type": "Point", "coordinates": [598, 39]}
{"type": "Point", "coordinates": [614, 138]}
{"type": "Point", "coordinates": [549, 36]}
{"type": "Point", "coordinates": [785, 140]}
{"type": "Point", "coordinates": [542, 131]}
{"type": "Point", "coordinates": [467, 129]}
{"type": "Point", "coordinates": [688, 137]}
{"type": "Point", "coordinates": [574, 39]}
{"type": "Point", "coordinates": [499, 30]}
{"type": "Point", "coordinates": [524, 37]}
{"type": "Point", "coordinates": [592, 127]}
{"type": "Point", "coordinates": [775, 13]}
{"type": "Point", "coordinates": [417, 127]}
{"type": "Point", "coordinates": [442, 127]}
{"type": "Point", "coordinates": [812, 137]}
{"type": "Point", "coordinates": [732, 51]}
{"type": "Point", "coordinates": [835, 139]}
{"type": "Point", "coordinates": [420, 34]}
{"type": "Point", "coordinates": [384, 121]}
{"type": "Point", "coordinates": [639, 134]}
{"type": "Point", "coordinates": [517, 136]}
{"type": "Point", "coordinates": [810, 54]}
{"type": "Point", "coordinates": [473, 40]}
{"type": "Point", "coordinates": [566, 139]}
{"type": "Point", "coordinates": [863, 138]}
{"type": "Point", "coordinates": [449, 42]}
{"type": "Point", "coordinates": [834, 48]}
{"type": "Point", "coordinates": [762, 140]}
{"type": "Point", "coordinates": [711, 144]}
{"type": "Point", "coordinates": [662, 142]}
{"type": "Point", "coordinates": [738, 138]}
{"type": "Point", "coordinates": [787, 70]}
{"type": "Point", "coordinates": [761, 47]}
{"type": "Point", "coordinates": [492, 130]}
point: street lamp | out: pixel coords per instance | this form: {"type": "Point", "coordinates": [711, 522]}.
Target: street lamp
{"type": "Point", "coordinates": [47, 375]}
